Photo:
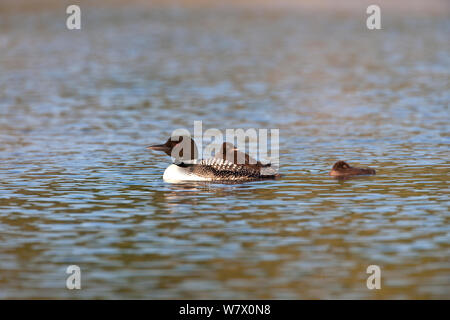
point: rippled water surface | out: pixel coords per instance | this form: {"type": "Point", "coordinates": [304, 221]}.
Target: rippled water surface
{"type": "Point", "coordinates": [77, 185]}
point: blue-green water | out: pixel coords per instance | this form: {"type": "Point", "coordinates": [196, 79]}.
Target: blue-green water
{"type": "Point", "coordinates": [77, 186]}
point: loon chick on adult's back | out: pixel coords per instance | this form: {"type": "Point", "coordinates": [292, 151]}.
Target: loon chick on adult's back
{"type": "Point", "coordinates": [229, 164]}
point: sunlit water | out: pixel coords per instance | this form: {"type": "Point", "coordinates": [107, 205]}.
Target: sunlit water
{"type": "Point", "coordinates": [78, 187]}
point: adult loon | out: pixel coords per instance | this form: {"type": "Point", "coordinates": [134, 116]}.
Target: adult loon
{"type": "Point", "coordinates": [229, 164]}
{"type": "Point", "coordinates": [342, 169]}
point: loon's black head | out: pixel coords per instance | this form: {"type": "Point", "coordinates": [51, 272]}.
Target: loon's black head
{"type": "Point", "coordinates": [178, 147]}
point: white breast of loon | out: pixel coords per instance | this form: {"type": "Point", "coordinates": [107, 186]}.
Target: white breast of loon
{"type": "Point", "coordinates": [175, 173]}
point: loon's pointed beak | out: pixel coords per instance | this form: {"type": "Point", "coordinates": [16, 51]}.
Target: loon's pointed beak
{"type": "Point", "coordinates": [159, 147]}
